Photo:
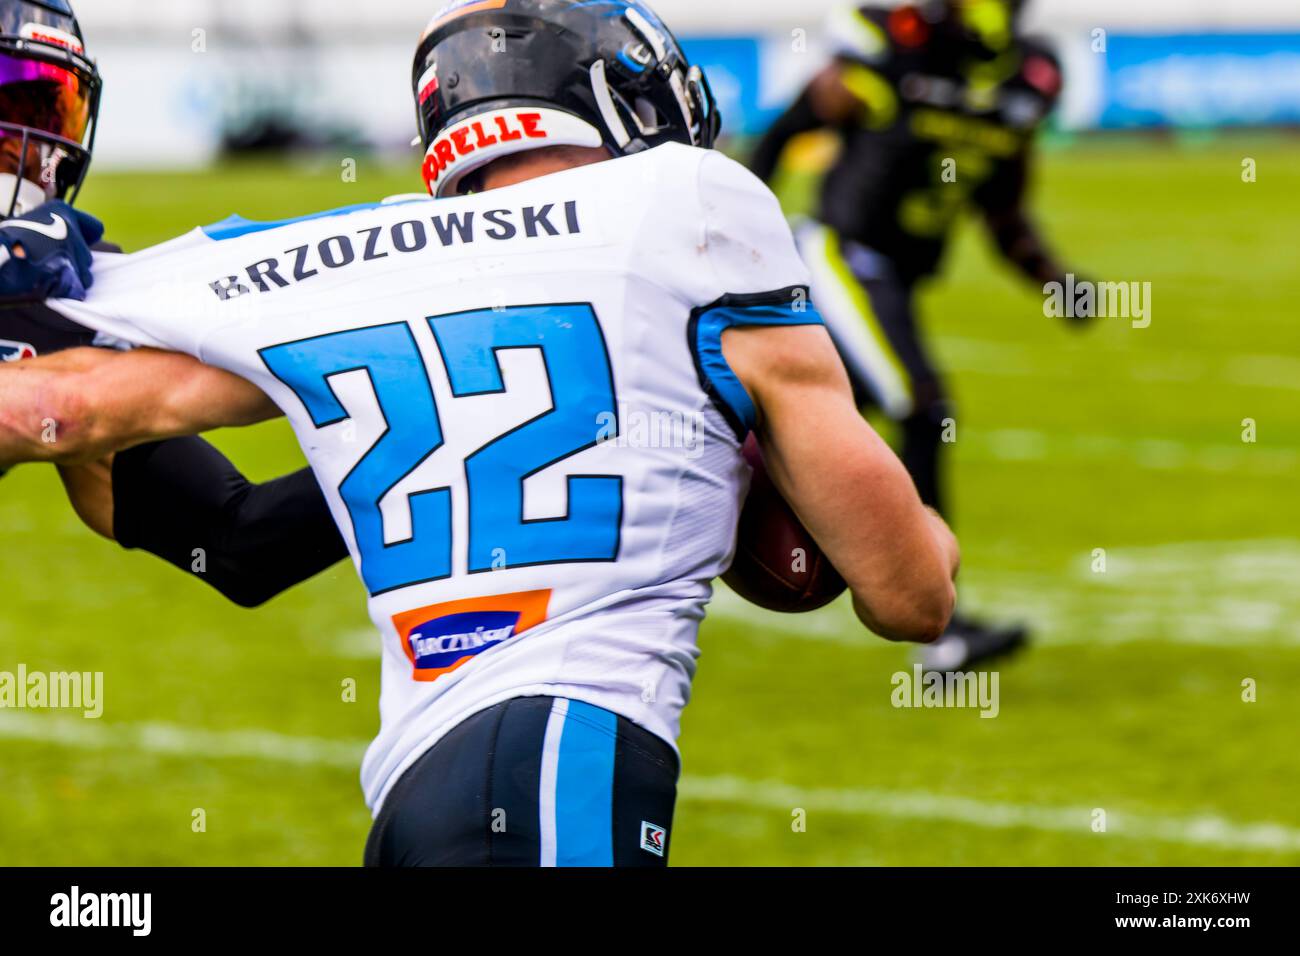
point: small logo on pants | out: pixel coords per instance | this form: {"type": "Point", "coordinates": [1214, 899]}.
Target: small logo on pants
{"type": "Point", "coordinates": [653, 838]}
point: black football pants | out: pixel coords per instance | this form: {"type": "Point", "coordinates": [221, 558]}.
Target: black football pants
{"type": "Point", "coordinates": [533, 781]}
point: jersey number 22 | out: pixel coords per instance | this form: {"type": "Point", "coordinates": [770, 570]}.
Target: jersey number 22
{"type": "Point", "coordinates": [582, 395]}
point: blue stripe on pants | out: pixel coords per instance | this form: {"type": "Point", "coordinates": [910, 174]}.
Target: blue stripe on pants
{"type": "Point", "coordinates": [584, 788]}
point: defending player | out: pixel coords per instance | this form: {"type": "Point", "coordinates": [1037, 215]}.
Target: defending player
{"type": "Point", "coordinates": [171, 498]}
{"type": "Point", "coordinates": [452, 368]}
{"type": "Point", "coordinates": [936, 106]}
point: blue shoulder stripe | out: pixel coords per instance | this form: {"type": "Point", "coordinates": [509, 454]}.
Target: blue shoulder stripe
{"type": "Point", "coordinates": [236, 225]}
{"type": "Point", "coordinates": [790, 306]}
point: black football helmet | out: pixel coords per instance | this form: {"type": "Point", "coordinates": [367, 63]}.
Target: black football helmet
{"type": "Point", "coordinates": [988, 26]}
{"type": "Point", "coordinates": [495, 77]}
{"type": "Point", "coordinates": [49, 103]}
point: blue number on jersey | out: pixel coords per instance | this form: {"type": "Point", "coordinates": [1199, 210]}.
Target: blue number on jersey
{"type": "Point", "coordinates": [389, 355]}
{"type": "Point", "coordinates": [582, 393]}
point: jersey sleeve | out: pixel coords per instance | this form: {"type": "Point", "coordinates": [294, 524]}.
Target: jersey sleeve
{"type": "Point", "coordinates": [759, 277]}
{"type": "Point", "coordinates": [146, 298]}
{"type": "Point", "coordinates": [174, 496]}
{"type": "Point", "coordinates": [747, 239]}
{"type": "Point", "coordinates": [32, 329]}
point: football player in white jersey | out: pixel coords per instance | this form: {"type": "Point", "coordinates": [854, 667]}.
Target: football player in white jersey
{"type": "Point", "coordinates": [464, 375]}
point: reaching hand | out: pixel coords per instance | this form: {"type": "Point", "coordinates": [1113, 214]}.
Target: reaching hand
{"type": "Point", "coordinates": [45, 254]}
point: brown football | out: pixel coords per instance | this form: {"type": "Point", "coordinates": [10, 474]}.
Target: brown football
{"type": "Point", "coordinates": [778, 565]}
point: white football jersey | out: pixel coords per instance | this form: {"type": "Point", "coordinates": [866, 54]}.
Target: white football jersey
{"type": "Point", "coordinates": [517, 405]}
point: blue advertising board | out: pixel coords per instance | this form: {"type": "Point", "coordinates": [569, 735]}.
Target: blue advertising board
{"type": "Point", "coordinates": [1201, 80]}
{"type": "Point", "coordinates": [734, 68]}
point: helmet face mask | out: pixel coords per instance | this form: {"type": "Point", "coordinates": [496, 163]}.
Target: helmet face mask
{"type": "Point", "coordinates": [575, 73]}
{"type": "Point", "coordinates": [49, 103]}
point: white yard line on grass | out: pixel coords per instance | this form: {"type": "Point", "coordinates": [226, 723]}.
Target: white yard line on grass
{"type": "Point", "coordinates": [1148, 454]}
{"type": "Point", "coordinates": [1213, 594]}
{"type": "Point", "coordinates": [195, 743]}
{"type": "Point", "coordinates": [180, 741]}
{"type": "Point", "coordinates": [1204, 830]}
{"type": "Point", "coordinates": [1240, 369]}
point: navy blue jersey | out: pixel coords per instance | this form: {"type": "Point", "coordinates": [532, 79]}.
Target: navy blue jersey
{"type": "Point", "coordinates": [939, 131]}
{"type": "Point", "coordinates": [32, 329]}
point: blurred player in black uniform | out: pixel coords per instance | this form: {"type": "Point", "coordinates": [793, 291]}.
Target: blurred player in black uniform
{"type": "Point", "coordinates": [936, 106]}
{"type": "Point", "coordinates": [180, 499]}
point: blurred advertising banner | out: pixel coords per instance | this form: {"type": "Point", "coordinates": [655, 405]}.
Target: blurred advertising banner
{"type": "Point", "coordinates": [323, 91]}
{"type": "Point", "coordinates": [734, 66]}
{"type": "Point", "coordinates": [1136, 81]}
{"type": "Point", "coordinates": [1222, 79]}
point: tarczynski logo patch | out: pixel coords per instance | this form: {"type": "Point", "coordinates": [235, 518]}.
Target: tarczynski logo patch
{"type": "Point", "coordinates": [443, 644]}
{"type": "Point", "coordinates": [442, 637]}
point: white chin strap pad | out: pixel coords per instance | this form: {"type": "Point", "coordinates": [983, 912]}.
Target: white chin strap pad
{"type": "Point", "coordinates": [478, 140]}
{"type": "Point", "coordinates": [30, 195]}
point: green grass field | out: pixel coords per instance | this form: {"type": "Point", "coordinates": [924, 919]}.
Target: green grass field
{"type": "Point", "coordinates": [1124, 439]}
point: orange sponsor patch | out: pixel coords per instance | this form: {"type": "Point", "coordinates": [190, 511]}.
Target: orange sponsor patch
{"type": "Point", "coordinates": [440, 638]}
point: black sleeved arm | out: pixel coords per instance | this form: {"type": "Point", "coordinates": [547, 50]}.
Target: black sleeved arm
{"type": "Point", "coordinates": [1003, 201]}
{"type": "Point", "coordinates": [184, 501]}
{"type": "Point", "coordinates": [799, 118]}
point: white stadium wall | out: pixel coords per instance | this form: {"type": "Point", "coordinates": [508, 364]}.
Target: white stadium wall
{"type": "Point", "coordinates": [178, 71]}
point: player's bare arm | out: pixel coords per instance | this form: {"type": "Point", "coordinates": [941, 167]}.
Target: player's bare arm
{"type": "Point", "coordinates": [81, 405]}
{"type": "Point", "coordinates": [847, 486]}
{"type": "Point", "coordinates": [89, 488]}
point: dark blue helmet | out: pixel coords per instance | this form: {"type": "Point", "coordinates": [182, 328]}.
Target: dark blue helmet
{"type": "Point", "coordinates": [49, 103]}
{"type": "Point", "coordinates": [495, 77]}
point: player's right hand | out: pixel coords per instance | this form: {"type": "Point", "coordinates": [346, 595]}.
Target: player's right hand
{"type": "Point", "coordinates": [45, 254]}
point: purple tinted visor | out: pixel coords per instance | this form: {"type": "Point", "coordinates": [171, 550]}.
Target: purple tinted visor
{"type": "Point", "coordinates": [44, 96]}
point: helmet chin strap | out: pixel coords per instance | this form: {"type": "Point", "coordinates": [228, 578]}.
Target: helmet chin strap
{"type": "Point", "coordinates": [626, 143]}
{"type": "Point", "coordinates": [608, 111]}
{"type": "Point", "coordinates": [19, 196]}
